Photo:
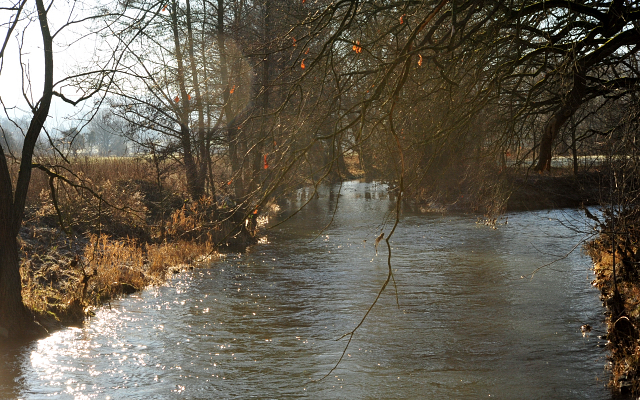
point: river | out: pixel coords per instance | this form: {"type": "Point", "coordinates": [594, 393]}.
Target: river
{"type": "Point", "coordinates": [468, 320]}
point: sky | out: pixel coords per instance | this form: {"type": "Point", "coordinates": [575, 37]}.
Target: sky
{"type": "Point", "coordinates": [68, 52]}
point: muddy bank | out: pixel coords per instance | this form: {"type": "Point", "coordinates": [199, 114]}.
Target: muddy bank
{"type": "Point", "coordinates": [544, 191]}
{"type": "Point", "coordinates": [514, 190]}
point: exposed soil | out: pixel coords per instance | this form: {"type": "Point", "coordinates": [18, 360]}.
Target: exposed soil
{"type": "Point", "coordinates": [516, 191]}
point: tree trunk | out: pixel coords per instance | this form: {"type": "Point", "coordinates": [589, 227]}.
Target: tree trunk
{"type": "Point", "coordinates": [339, 170]}
{"type": "Point", "coordinates": [366, 162]}
{"type": "Point", "coordinates": [557, 121]}
{"type": "Point", "coordinates": [546, 141]}
{"type": "Point", "coordinates": [15, 321]}
{"type": "Point", "coordinates": [574, 151]}
{"type": "Point", "coordinates": [232, 132]}
{"type": "Point", "coordinates": [201, 148]}
{"type": "Point", "coordinates": [194, 185]}
{"type": "Point", "coordinates": [206, 109]}
{"type": "Point", "coordinates": [259, 160]}
{"type": "Point", "coordinates": [14, 318]}
{"type": "Point", "coordinates": [191, 169]}
{"type": "Point", "coordinates": [12, 312]}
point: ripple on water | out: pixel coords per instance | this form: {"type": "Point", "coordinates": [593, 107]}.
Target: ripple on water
{"type": "Point", "coordinates": [264, 324]}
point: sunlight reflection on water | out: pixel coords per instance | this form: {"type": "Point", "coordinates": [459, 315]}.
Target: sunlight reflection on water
{"type": "Point", "coordinates": [264, 324]}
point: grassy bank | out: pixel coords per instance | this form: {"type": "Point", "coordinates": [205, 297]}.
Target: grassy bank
{"type": "Point", "coordinates": [112, 227]}
{"type": "Point", "coordinates": [64, 278]}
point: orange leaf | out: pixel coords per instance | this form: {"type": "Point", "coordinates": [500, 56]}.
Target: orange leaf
{"type": "Point", "coordinates": [302, 64]}
{"type": "Point", "coordinates": [294, 42]}
{"type": "Point", "coordinates": [164, 8]}
{"type": "Point", "coordinates": [420, 59]}
{"type": "Point", "coordinates": [229, 183]}
{"type": "Point", "coordinates": [266, 165]}
{"type": "Point", "coordinates": [233, 89]}
{"type": "Point", "coordinates": [356, 47]}
{"type": "Point", "coordinates": [188, 97]}
{"type": "Point", "coordinates": [402, 18]}
{"type": "Point", "coordinates": [306, 51]}
{"type": "Point", "coordinates": [177, 99]}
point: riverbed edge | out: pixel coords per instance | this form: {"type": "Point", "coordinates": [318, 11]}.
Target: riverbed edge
{"type": "Point", "coordinates": [620, 295]}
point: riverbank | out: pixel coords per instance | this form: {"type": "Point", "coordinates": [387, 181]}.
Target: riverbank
{"type": "Point", "coordinates": [516, 190]}
{"type": "Point", "coordinates": [559, 190]}
{"type": "Point", "coordinates": [616, 254]}
{"type": "Point", "coordinates": [65, 277]}
{"type": "Point", "coordinates": [95, 239]}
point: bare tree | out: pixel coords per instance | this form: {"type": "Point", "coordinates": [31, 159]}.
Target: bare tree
{"type": "Point", "coordinates": [15, 320]}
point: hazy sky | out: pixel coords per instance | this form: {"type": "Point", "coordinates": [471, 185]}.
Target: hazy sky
{"type": "Point", "coordinates": [15, 81]}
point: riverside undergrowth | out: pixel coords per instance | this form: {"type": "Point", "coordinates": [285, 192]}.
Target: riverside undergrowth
{"type": "Point", "coordinates": [110, 229]}
{"type": "Point", "coordinates": [616, 254]}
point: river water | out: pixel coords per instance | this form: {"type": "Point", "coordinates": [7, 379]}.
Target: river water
{"type": "Point", "coordinates": [465, 322]}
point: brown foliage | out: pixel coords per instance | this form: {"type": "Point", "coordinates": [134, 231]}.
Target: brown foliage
{"type": "Point", "coordinates": [124, 233]}
{"type": "Point", "coordinates": [617, 245]}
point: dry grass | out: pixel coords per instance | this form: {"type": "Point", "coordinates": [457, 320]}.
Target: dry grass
{"type": "Point", "coordinates": [123, 266]}
{"type": "Point", "coordinates": [165, 256]}
{"type": "Point", "coordinates": [52, 294]}
{"type": "Point", "coordinates": [354, 167]}
{"type": "Point", "coordinates": [114, 212]}
{"type": "Point", "coordinates": [64, 289]}
{"type": "Point", "coordinates": [114, 267]}
{"type": "Point", "coordinates": [110, 195]}
{"type": "Point", "coordinates": [622, 299]}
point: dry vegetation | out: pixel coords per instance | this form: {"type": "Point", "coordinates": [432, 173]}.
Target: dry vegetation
{"type": "Point", "coordinates": [109, 228]}
{"type": "Point", "coordinates": [617, 245]}
{"type": "Point", "coordinates": [115, 225]}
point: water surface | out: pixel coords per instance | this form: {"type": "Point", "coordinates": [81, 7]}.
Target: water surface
{"type": "Point", "coordinates": [265, 324]}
